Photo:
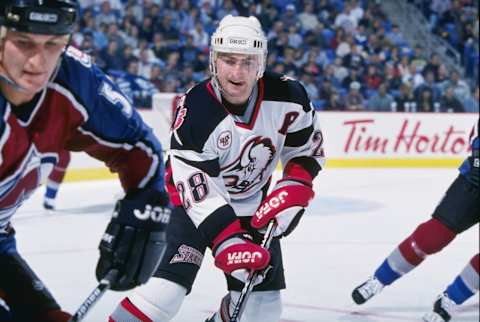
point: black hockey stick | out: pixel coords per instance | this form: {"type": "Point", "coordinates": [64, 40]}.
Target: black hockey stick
{"type": "Point", "coordinates": [252, 276]}
{"type": "Point", "coordinates": [96, 294]}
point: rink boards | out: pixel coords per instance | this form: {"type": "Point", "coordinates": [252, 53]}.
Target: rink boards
{"type": "Point", "coordinates": [360, 139]}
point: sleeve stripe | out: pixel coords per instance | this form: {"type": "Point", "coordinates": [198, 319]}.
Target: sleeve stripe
{"type": "Point", "coordinates": [210, 167]}
{"type": "Point", "coordinates": [299, 138]}
{"type": "Point", "coordinates": [6, 131]}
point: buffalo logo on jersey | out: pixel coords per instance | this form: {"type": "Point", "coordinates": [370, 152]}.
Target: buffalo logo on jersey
{"type": "Point", "coordinates": [17, 187]}
{"type": "Point", "coordinates": [248, 169]}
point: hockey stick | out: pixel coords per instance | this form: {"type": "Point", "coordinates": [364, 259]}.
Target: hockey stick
{"type": "Point", "coordinates": [252, 277]}
{"type": "Point", "coordinates": [96, 294]}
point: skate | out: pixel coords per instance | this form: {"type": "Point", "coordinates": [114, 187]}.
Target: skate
{"type": "Point", "coordinates": [48, 204]}
{"type": "Point", "coordinates": [443, 309]}
{"type": "Point", "coordinates": [367, 290]}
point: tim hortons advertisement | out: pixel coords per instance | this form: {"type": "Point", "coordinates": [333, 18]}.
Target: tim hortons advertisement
{"type": "Point", "coordinates": [408, 138]}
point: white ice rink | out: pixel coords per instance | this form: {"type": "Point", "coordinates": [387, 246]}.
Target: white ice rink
{"type": "Point", "coordinates": [355, 221]}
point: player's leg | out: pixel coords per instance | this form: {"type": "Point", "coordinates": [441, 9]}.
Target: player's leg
{"type": "Point", "coordinates": [55, 179]}
{"type": "Point", "coordinates": [160, 299]}
{"type": "Point", "coordinates": [457, 211]}
{"type": "Point", "coordinates": [464, 286]}
{"type": "Point", "coordinates": [264, 304]}
{"type": "Point", "coordinates": [26, 297]}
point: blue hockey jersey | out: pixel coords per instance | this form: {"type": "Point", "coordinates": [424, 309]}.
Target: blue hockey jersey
{"type": "Point", "coordinates": [470, 168]}
{"type": "Point", "coordinates": [81, 109]}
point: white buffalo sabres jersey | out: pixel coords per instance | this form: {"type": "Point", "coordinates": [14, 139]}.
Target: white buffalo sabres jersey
{"type": "Point", "coordinates": [222, 162]}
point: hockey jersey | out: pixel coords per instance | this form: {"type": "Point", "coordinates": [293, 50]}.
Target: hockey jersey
{"type": "Point", "coordinates": [222, 162]}
{"type": "Point", "coordinates": [470, 168]}
{"type": "Point", "coordinates": [80, 110]}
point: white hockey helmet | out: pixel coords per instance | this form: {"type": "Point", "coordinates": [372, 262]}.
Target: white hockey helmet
{"type": "Point", "coordinates": [239, 35]}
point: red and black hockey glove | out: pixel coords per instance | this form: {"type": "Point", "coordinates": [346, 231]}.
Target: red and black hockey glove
{"type": "Point", "coordinates": [236, 254]}
{"type": "Point", "coordinates": [286, 203]}
{"type": "Point", "coordinates": [135, 239]}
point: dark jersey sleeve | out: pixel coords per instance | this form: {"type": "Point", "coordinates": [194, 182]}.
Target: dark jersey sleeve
{"type": "Point", "coordinates": [113, 131]}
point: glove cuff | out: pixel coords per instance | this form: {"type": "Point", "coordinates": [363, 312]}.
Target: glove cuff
{"type": "Point", "coordinates": [234, 229]}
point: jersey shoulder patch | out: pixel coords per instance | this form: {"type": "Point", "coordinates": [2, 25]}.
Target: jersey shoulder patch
{"type": "Point", "coordinates": [197, 115]}
{"type": "Point", "coordinates": [282, 88]}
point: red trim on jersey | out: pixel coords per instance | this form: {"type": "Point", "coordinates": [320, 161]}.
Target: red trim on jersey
{"type": "Point", "coordinates": [134, 310]}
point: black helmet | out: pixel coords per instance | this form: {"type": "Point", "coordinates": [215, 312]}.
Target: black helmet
{"type": "Point", "coordinates": [49, 17]}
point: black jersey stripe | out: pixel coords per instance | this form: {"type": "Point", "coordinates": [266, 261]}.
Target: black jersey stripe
{"type": "Point", "coordinates": [210, 167]}
{"type": "Point", "coordinates": [216, 222]}
{"type": "Point", "coordinates": [299, 138]}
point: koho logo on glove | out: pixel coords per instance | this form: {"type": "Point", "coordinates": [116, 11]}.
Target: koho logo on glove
{"type": "Point", "coordinates": [273, 203]}
{"type": "Point", "coordinates": [243, 258]}
{"type": "Point", "coordinates": [157, 214]}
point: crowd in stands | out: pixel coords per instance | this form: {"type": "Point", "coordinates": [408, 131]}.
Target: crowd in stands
{"type": "Point", "coordinates": [457, 22]}
{"type": "Point", "coordinates": [347, 53]}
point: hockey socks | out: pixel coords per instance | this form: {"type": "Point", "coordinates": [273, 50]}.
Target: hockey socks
{"type": "Point", "coordinates": [429, 238]}
{"type": "Point", "coordinates": [466, 284]}
{"type": "Point", "coordinates": [127, 311]}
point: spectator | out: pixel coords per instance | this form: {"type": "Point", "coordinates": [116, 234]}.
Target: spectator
{"type": "Point", "coordinates": [307, 81]}
{"type": "Point", "coordinates": [405, 100]}
{"type": "Point", "coordinates": [354, 59]}
{"type": "Point", "coordinates": [395, 36]}
{"type": "Point", "coordinates": [381, 101]}
{"type": "Point", "coordinates": [418, 58]}
{"type": "Point", "coordinates": [392, 78]}
{"type": "Point", "coordinates": [294, 38]}
{"type": "Point", "coordinates": [339, 71]}
{"type": "Point", "coordinates": [433, 65]}
{"type": "Point", "coordinates": [200, 37]}
{"type": "Point", "coordinates": [308, 20]}
{"type": "Point", "coordinates": [354, 99]}
{"type": "Point", "coordinates": [170, 33]}
{"type": "Point", "coordinates": [373, 78]}
{"type": "Point", "coordinates": [106, 16]}
{"type": "Point", "coordinates": [449, 103]}
{"type": "Point", "coordinates": [336, 103]}
{"type": "Point", "coordinates": [429, 84]}
{"type": "Point", "coordinates": [470, 103]}
{"type": "Point", "coordinates": [290, 17]}
{"type": "Point", "coordinates": [156, 76]}
{"type": "Point", "coordinates": [188, 52]}
{"type": "Point", "coordinates": [354, 76]}
{"type": "Point", "coordinates": [346, 20]}
{"type": "Point", "coordinates": [460, 87]}
{"type": "Point", "coordinates": [227, 8]}
{"type": "Point", "coordinates": [111, 57]}
{"type": "Point", "coordinates": [425, 102]}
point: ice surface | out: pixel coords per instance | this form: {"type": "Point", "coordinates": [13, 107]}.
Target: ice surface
{"type": "Point", "coordinates": [356, 220]}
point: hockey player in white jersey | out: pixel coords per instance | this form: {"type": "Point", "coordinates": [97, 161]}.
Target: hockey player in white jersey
{"type": "Point", "coordinates": [229, 134]}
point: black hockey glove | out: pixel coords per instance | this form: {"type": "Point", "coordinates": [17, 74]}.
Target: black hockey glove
{"type": "Point", "coordinates": [135, 239]}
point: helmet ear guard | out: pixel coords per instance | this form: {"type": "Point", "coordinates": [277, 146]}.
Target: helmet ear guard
{"type": "Point", "coordinates": [49, 17]}
{"type": "Point", "coordinates": [239, 35]}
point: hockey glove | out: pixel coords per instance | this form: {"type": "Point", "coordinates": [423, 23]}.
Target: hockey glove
{"type": "Point", "coordinates": [135, 239]}
{"type": "Point", "coordinates": [286, 204]}
{"type": "Point", "coordinates": [236, 254]}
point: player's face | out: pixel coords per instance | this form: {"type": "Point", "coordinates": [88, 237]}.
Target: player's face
{"type": "Point", "coordinates": [30, 59]}
{"type": "Point", "coordinates": [237, 74]}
